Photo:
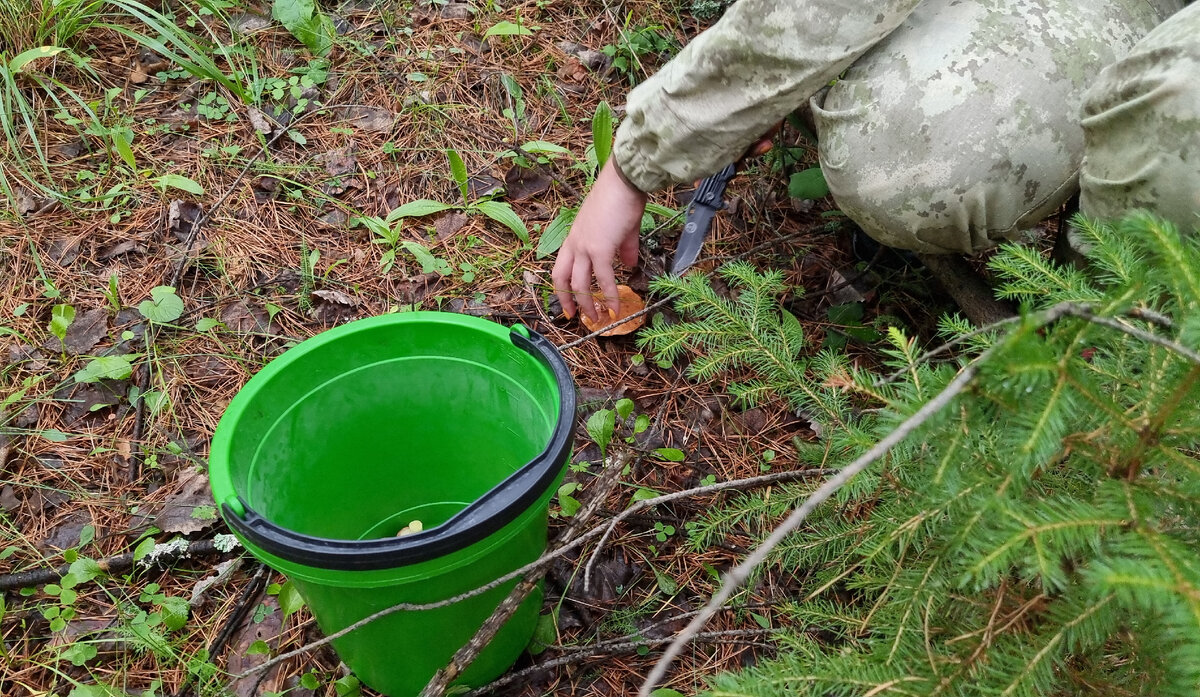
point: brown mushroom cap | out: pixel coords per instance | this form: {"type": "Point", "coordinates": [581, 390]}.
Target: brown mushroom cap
{"type": "Point", "coordinates": [630, 303]}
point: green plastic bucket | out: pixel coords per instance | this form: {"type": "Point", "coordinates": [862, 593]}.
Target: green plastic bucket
{"type": "Point", "coordinates": [347, 438]}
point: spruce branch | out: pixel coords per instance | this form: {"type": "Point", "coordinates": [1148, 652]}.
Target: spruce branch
{"type": "Point", "coordinates": [739, 574]}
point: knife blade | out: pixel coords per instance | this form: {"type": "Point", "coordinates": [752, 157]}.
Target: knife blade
{"type": "Point", "coordinates": [708, 199]}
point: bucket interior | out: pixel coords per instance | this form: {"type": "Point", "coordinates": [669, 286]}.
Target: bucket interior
{"type": "Point", "coordinates": [406, 421]}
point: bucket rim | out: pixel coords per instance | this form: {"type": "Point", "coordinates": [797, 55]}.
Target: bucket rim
{"type": "Point", "coordinates": [488, 514]}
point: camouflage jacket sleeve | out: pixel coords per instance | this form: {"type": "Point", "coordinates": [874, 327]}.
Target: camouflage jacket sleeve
{"type": "Point", "coordinates": [732, 83]}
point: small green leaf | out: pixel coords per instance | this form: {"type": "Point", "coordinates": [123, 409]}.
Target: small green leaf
{"type": "Point", "coordinates": [544, 635]}
{"type": "Point", "coordinates": [205, 324]}
{"type": "Point", "coordinates": [85, 569]}
{"type": "Point", "coordinates": [178, 181]}
{"type": "Point", "coordinates": [507, 28]}
{"type": "Point", "coordinates": [666, 584]}
{"type": "Point", "coordinates": [24, 58]}
{"type": "Point", "coordinates": [347, 686]}
{"type": "Point", "coordinates": [429, 262]}
{"type": "Point", "coordinates": [670, 454]}
{"type": "Point", "coordinates": [53, 435]}
{"type": "Point", "coordinates": [144, 547]}
{"type": "Point", "coordinates": [86, 535]}
{"type": "Point", "coordinates": [624, 408]}
{"type": "Point", "coordinates": [809, 184]}
{"type": "Point", "coordinates": [79, 653]}
{"type": "Point", "coordinates": [258, 648]}
{"type": "Point", "coordinates": [105, 368]}
{"type": "Point", "coordinates": [569, 505]}
{"type": "Point", "coordinates": [174, 612]}
{"type": "Point", "coordinates": [602, 133]}
{"type": "Point", "coordinates": [290, 601]}
{"type": "Point", "coordinates": [164, 305]}
{"type": "Point", "coordinates": [643, 494]}
{"type": "Point", "coordinates": [309, 681]}
{"type": "Point", "coordinates": [61, 317]}
{"type": "Point", "coordinates": [641, 423]}
{"type": "Point", "coordinates": [600, 427]}
{"type": "Point", "coordinates": [122, 140]}
{"type": "Point", "coordinates": [556, 232]}
{"type": "Point", "coordinates": [459, 171]}
{"type": "Point", "coordinates": [761, 620]}
{"type": "Point", "coordinates": [504, 214]}
{"type": "Point", "coordinates": [413, 209]}
{"type": "Point", "coordinates": [542, 147]}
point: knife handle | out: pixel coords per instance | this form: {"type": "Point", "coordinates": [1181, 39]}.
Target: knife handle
{"type": "Point", "coordinates": [711, 191]}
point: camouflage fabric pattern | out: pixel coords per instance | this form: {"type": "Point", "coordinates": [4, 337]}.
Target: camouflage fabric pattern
{"type": "Point", "coordinates": [954, 125]}
{"type": "Point", "coordinates": [1141, 125]}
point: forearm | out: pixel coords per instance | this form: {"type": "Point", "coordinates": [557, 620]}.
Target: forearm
{"type": "Point", "coordinates": [737, 79]}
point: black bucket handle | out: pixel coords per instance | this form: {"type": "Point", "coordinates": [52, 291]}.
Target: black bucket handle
{"type": "Point", "coordinates": [487, 514]}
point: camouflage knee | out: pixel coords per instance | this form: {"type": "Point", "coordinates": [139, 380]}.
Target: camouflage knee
{"type": "Point", "coordinates": [1141, 122]}
{"type": "Point", "coordinates": [961, 128]}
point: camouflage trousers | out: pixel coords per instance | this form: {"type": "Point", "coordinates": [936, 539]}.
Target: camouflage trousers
{"type": "Point", "coordinates": [972, 121]}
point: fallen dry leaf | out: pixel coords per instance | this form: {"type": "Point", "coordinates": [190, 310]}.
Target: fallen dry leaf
{"type": "Point", "coordinates": [84, 333]}
{"type": "Point", "coordinates": [523, 182]}
{"type": "Point", "coordinates": [190, 509]}
{"type": "Point", "coordinates": [267, 629]}
{"type": "Point", "coordinates": [630, 303]}
{"type": "Point", "coordinates": [370, 118]}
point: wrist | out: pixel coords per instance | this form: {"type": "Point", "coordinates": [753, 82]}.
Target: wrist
{"type": "Point", "coordinates": [615, 169]}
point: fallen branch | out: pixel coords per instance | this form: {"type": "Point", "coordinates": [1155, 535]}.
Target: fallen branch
{"type": "Point", "coordinates": [112, 565]}
{"type": "Point", "coordinates": [466, 655]}
{"type": "Point", "coordinates": [735, 578]}
{"type": "Point", "coordinates": [749, 483]}
{"type": "Point", "coordinates": [623, 644]}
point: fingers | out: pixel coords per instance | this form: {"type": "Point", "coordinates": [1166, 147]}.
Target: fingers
{"type": "Point", "coordinates": [581, 285]}
{"type": "Point", "coordinates": [628, 250]}
{"type": "Point", "coordinates": [608, 287]}
{"type": "Point", "coordinates": [561, 276]}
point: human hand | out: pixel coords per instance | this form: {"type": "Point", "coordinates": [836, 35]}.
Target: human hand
{"type": "Point", "coordinates": [607, 225]}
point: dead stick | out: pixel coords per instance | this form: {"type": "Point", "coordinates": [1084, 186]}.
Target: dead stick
{"type": "Point", "coordinates": [236, 618]}
{"type": "Point", "coordinates": [749, 483]}
{"type": "Point", "coordinates": [615, 646]}
{"type": "Point", "coordinates": [466, 655]}
{"type": "Point", "coordinates": [111, 565]}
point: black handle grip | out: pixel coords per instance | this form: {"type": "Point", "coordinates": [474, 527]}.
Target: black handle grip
{"type": "Point", "coordinates": [711, 191]}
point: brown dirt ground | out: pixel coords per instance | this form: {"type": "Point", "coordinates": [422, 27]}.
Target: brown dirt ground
{"type": "Point", "coordinates": [246, 272]}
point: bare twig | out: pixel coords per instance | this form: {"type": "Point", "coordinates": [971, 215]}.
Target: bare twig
{"type": "Point", "coordinates": [1083, 310]}
{"type": "Point", "coordinates": [112, 565]}
{"type": "Point", "coordinates": [1087, 312]}
{"type": "Point", "coordinates": [644, 311]}
{"type": "Point", "coordinates": [236, 618]}
{"type": "Point", "coordinates": [621, 645]}
{"type": "Point", "coordinates": [749, 483]}
{"type": "Point", "coordinates": [466, 655]}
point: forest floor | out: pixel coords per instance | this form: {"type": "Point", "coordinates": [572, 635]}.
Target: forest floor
{"type": "Point", "coordinates": [104, 439]}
